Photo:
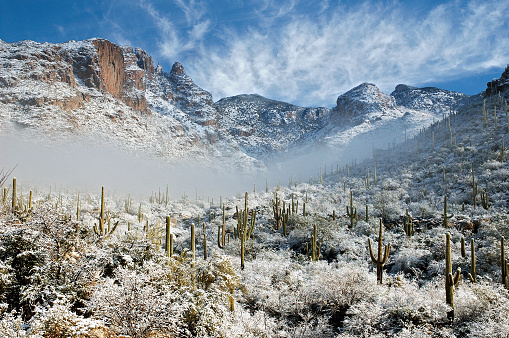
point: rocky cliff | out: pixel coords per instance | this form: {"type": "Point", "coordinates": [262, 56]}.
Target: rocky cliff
{"type": "Point", "coordinates": [500, 85]}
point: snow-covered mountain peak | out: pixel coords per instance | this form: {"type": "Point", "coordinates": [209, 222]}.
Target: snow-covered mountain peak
{"type": "Point", "coordinates": [363, 102]}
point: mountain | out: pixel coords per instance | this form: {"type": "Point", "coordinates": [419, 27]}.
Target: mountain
{"type": "Point", "coordinates": [261, 127]}
{"type": "Point", "coordinates": [102, 92]}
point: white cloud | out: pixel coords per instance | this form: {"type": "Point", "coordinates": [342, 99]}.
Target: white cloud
{"type": "Point", "coordinates": [194, 10]}
{"type": "Point", "coordinates": [309, 52]}
{"type": "Point", "coordinates": [175, 42]}
{"type": "Point", "coordinates": [312, 59]}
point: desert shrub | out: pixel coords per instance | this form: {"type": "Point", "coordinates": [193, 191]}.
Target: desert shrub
{"type": "Point", "coordinates": [58, 321]}
{"type": "Point", "coordinates": [133, 303]}
{"type": "Point", "coordinates": [400, 305]}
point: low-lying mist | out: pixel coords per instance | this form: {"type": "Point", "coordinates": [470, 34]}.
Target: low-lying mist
{"type": "Point", "coordinates": [86, 166]}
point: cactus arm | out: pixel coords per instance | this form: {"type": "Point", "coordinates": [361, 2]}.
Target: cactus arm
{"type": "Point", "coordinates": [373, 259]}
{"type": "Point", "coordinates": [386, 253]}
{"type": "Point", "coordinates": [457, 276]}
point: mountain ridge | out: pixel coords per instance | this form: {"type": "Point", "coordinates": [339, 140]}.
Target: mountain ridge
{"type": "Point", "coordinates": [95, 87]}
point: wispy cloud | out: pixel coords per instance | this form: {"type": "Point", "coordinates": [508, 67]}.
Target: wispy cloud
{"type": "Point", "coordinates": [175, 42]}
{"type": "Point", "coordinates": [312, 60]}
{"type": "Point", "coordinates": [309, 52]}
{"type": "Point", "coordinates": [193, 10]}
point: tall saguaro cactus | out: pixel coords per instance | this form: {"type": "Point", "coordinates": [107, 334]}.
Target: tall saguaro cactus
{"type": "Point", "coordinates": [14, 193]}
{"type": "Point", "coordinates": [193, 243]}
{"type": "Point", "coordinates": [101, 214]}
{"type": "Point", "coordinates": [314, 255]}
{"type": "Point", "coordinates": [450, 280]}
{"type": "Point", "coordinates": [351, 211]}
{"type": "Point", "coordinates": [445, 216]}
{"type": "Point", "coordinates": [472, 275]}
{"type": "Point", "coordinates": [223, 229]}
{"type": "Point", "coordinates": [278, 211]}
{"type": "Point", "coordinates": [504, 265]}
{"type": "Point", "coordinates": [243, 230]}
{"type": "Point", "coordinates": [474, 186]}
{"type": "Point", "coordinates": [383, 254]}
{"type": "Point", "coordinates": [101, 229]}
{"type": "Point", "coordinates": [169, 238]}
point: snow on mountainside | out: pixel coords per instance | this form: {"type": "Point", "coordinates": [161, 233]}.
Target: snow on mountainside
{"type": "Point", "coordinates": [365, 118]}
{"type": "Point", "coordinates": [261, 126]}
{"type": "Point", "coordinates": [97, 90]}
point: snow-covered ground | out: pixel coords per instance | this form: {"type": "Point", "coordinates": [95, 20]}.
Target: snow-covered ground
{"type": "Point", "coordinates": [58, 274]}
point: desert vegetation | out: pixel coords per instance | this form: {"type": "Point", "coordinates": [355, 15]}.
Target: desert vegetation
{"type": "Point", "coordinates": [409, 243]}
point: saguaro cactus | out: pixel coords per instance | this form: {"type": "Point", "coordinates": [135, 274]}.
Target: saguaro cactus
{"type": "Point", "coordinates": [504, 265]}
{"type": "Point", "coordinates": [193, 243]}
{"type": "Point", "coordinates": [278, 211]}
{"type": "Point", "coordinates": [450, 280]}
{"type": "Point", "coordinates": [205, 246]}
{"type": "Point", "coordinates": [383, 254]}
{"type": "Point", "coordinates": [463, 248]}
{"type": "Point", "coordinates": [446, 217]}
{"type": "Point", "coordinates": [14, 194]}
{"type": "Point", "coordinates": [351, 211]}
{"type": "Point", "coordinates": [168, 245]}
{"type": "Point", "coordinates": [472, 275]}
{"type": "Point", "coordinates": [78, 208]}
{"type": "Point", "coordinates": [408, 225]}
{"type": "Point", "coordinates": [101, 229]}
{"type": "Point", "coordinates": [485, 198]}
{"type": "Point", "coordinates": [474, 187]}
{"type": "Point", "coordinates": [223, 235]}
{"type": "Point", "coordinates": [314, 256]}
{"type": "Point", "coordinates": [242, 233]}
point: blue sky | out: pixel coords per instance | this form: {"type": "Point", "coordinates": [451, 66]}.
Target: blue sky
{"type": "Point", "coordinates": [306, 52]}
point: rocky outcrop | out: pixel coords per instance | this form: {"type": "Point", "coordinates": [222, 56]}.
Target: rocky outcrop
{"type": "Point", "coordinates": [357, 104]}
{"type": "Point", "coordinates": [189, 97]}
{"type": "Point", "coordinates": [427, 98]}
{"type": "Point", "coordinates": [22, 62]}
{"type": "Point", "coordinates": [500, 85]}
{"type": "Point", "coordinates": [112, 68]}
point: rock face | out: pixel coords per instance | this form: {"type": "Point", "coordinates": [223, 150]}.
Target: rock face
{"type": "Point", "coordinates": [190, 97]}
{"type": "Point", "coordinates": [356, 104]}
{"type": "Point", "coordinates": [500, 85]}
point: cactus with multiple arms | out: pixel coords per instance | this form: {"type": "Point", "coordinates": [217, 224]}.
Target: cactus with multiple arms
{"type": "Point", "coordinates": [450, 280]}
{"type": "Point", "coordinates": [351, 211]}
{"type": "Point", "coordinates": [383, 254]}
{"type": "Point", "coordinates": [101, 229]}
{"type": "Point", "coordinates": [278, 211]}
